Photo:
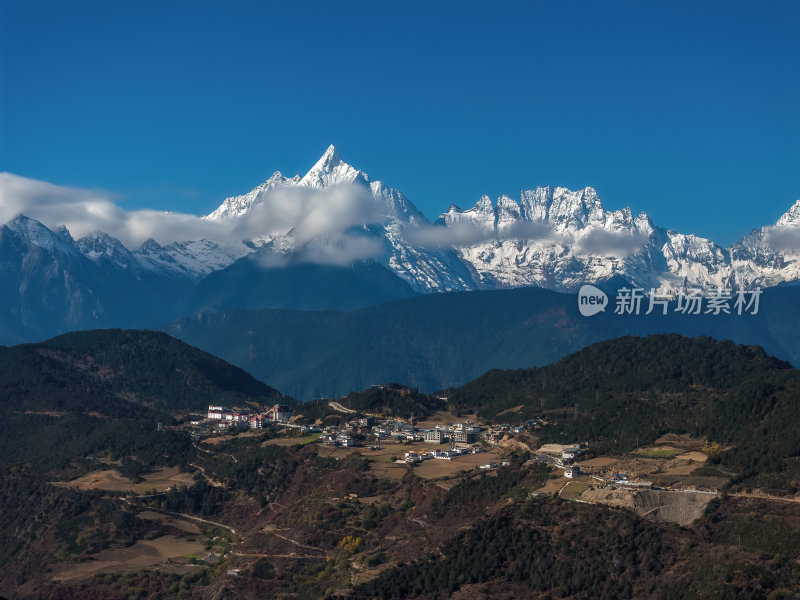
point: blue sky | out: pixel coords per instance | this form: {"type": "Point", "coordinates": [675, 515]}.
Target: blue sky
{"type": "Point", "coordinates": [687, 111]}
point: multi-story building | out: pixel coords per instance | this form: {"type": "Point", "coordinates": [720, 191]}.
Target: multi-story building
{"type": "Point", "coordinates": [435, 436]}
{"type": "Point", "coordinates": [216, 412]}
{"type": "Point", "coordinates": [464, 437]}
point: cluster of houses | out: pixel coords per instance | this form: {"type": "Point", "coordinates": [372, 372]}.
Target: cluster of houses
{"type": "Point", "coordinates": [495, 433]}
{"type": "Point", "coordinates": [392, 431]}
{"type": "Point", "coordinates": [345, 435]}
{"type": "Point", "coordinates": [356, 430]}
{"type": "Point", "coordinates": [343, 439]}
{"type": "Point", "coordinates": [461, 437]}
{"type": "Point", "coordinates": [237, 417]}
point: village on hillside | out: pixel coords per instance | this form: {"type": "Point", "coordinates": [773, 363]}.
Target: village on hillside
{"type": "Point", "coordinates": [667, 481]}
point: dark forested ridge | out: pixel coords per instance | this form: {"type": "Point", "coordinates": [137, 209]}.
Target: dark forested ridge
{"type": "Point", "coordinates": [393, 399]}
{"type": "Point", "coordinates": [633, 389]}
{"type": "Point", "coordinates": [628, 366]}
{"type": "Point", "coordinates": [515, 551]}
{"type": "Point", "coordinates": [550, 549]}
{"type": "Point", "coordinates": [248, 284]}
{"type": "Point", "coordinates": [114, 372]}
{"type": "Point", "coordinates": [105, 391]}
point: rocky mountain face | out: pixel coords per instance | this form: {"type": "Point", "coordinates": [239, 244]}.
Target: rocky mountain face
{"type": "Point", "coordinates": [560, 239]}
{"type": "Point", "coordinates": [769, 256]}
{"type": "Point", "coordinates": [553, 238]}
{"type": "Point", "coordinates": [52, 283]}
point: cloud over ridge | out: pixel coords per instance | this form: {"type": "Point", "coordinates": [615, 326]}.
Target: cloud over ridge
{"type": "Point", "coordinates": [319, 221]}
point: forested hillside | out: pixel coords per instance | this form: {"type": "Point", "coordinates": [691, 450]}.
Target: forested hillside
{"type": "Point", "coordinates": [106, 391]}
{"type": "Point", "coordinates": [631, 390]}
{"type": "Point", "coordinates": [115, 372]}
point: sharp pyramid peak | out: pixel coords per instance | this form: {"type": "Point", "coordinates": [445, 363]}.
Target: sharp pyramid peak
{"type": "Point", "coordinates": [329, 159]}
{"type": "Point", "coordinates": [332, 153]}
{"type": "Point", "coordinates": [330, 169]}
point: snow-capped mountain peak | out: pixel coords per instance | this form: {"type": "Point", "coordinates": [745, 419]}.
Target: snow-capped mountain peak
{"type": "Point", "coordinates": [98, 246]}
{"type": "Point", "coordinates": [64, 233]}
{"type": "Point", "coordinates": [482, 214]}
{"type": "Point", "coordinates": [236, 206]}
{"type": "Point", "coordinates": [330, 170]}
{"type": "Point", "coordinates": [791, 217]}
{"type": "Point", "coordinates": [508, 212]}
{"type": "Point", "coordinates": [36, 234]}
{"type": "Point", "coordinates": [329, 159]}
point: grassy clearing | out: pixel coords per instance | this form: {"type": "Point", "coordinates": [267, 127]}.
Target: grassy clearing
{"type": "Point", "coordinates": [159, 479]}
{"type": "Point", "coordinates": [658, 452]}
{"type": "Point", "coordinates": [292, 441]}
{"type": "Point", "coordinates": [162, 551]}
{"type": "Point", "coordinates": [574, 489]}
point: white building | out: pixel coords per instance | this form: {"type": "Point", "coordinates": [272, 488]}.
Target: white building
{"type": "Point", "coordinates": [216, 412]}
{"type": "Point", "coordinates": [345, 440]}
{"type": "Point", "coordinates": [413, 458]}
{"type": "Point", "coordinates": [446, 455]}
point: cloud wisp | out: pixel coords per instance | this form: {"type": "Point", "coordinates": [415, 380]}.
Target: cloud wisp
{"type": "Point", "coordinates": [300, 224]}
{"type": "Point", "coordinates": [783, 239]}
{"type": "Point", "coordinates": [323, 224]}
{"type": "Point", "coordinates": [619, 244]}
{"type": "Point", "coordinates": [308, 213]}
{"type": "Point", "coordinates": [335, 250]}
{"type": "Point", "coordinates": [85, 211]}
{"type": "Point", "coordinates": [464, 234]}
{"type": "Point", "coordinates": [471, 234]}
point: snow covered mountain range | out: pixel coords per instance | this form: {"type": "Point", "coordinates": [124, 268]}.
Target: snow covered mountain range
{"type": "Point", "coordinates": [553, 238]}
